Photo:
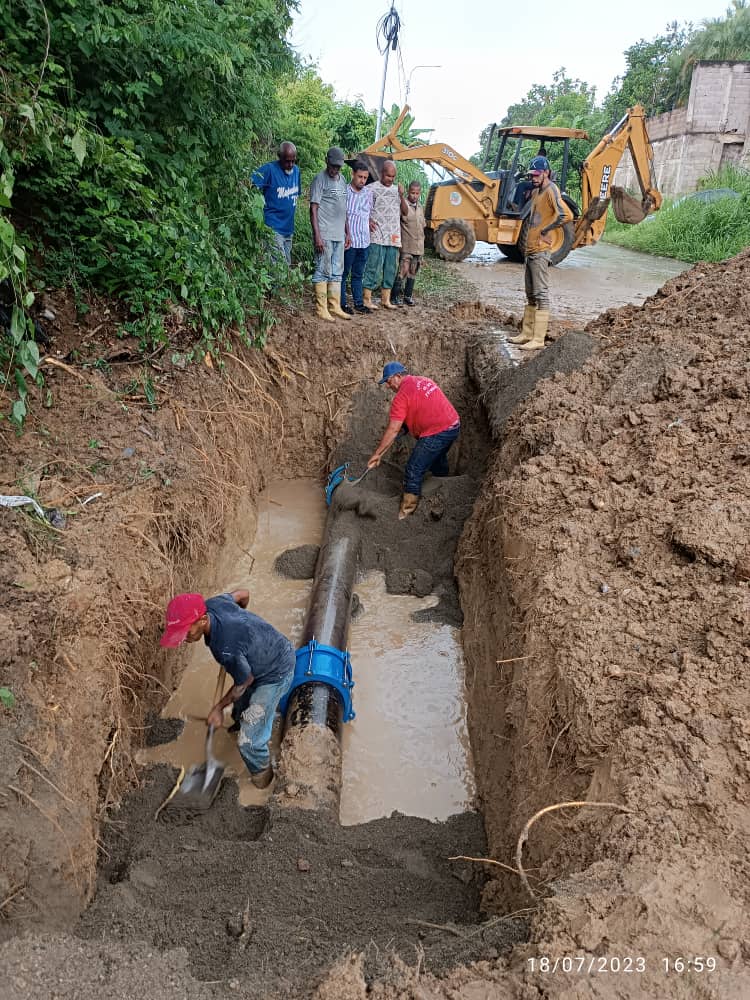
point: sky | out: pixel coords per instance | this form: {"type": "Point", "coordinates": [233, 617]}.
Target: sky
{"type": "Point", "coordinates": [489, 55]}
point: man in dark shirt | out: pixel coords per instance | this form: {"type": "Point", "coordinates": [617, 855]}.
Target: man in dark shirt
{"type": "Point", "coordinates": [259, 659]}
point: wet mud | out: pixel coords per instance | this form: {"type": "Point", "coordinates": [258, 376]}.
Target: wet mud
{"type": "Point", "coordinates": [272, 897]}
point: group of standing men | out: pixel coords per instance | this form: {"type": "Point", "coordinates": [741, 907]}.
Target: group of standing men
{"type": "Point", "coordinates": [372, 234]}
{"type": "Point", "coordinates": [369, 234]}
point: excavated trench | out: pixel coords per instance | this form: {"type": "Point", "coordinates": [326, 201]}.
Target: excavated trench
{"type": "Point", "coordinates": [270, 888]}
{"type": "Point", "coordinates": [266, 892]}
{"type": "Point", "coordinates": [592, 548]}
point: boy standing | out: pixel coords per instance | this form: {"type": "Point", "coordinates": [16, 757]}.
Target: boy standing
{"type": "Point", "coordinates": [412, 244]}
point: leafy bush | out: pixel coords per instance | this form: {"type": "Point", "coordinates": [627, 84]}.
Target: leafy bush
{"type": "Point", "coordinates": [132, 145]}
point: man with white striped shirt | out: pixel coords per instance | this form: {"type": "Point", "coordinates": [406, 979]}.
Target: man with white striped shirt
{"type": "Point", "coordinates": [358, 210]}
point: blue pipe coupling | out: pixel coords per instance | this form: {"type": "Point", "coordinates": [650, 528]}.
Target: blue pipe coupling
{"type": "Point", "coordinates": [316, 663]}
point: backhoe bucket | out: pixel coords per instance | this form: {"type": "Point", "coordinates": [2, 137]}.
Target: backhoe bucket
{"type": "Point", "coordinates": [373, 161]}
{"type": "Point", "coordinates": [627, 210]}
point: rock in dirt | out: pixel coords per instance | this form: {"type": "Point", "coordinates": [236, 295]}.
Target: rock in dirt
{"type": "Point", "coordinates": [158, 730]}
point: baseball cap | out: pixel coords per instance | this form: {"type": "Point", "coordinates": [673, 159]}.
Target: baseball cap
{"type": "Point", "coordinates": [182, 612]}
{"type": "Point", "coordinates": [335, 156]}
{"type": "Point", "coordinates": [392, 368]}
{"type": "Point", "coordinates": [538, 164]}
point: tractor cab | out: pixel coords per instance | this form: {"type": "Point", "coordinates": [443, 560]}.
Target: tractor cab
{"type": "Point", "coordinates": [507, 154]}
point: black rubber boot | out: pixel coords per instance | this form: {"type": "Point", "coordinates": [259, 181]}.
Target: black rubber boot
{"type": "Point", "coordinates": [396, 292]}
{"type": "Point", "coordinates": [409, 292]}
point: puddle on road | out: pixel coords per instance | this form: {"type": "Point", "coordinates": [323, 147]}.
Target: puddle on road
{"type": "Point", "coordinates": [408, 748]}
{"type": "Point", "coordinates": [586, 283]}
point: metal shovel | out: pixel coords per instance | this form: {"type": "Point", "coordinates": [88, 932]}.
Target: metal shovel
{"type": "Point", "coordinates": [198, 788]}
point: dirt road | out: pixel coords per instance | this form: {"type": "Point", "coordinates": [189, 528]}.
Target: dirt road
{"type": "Point", "coordinates": [587, 283]}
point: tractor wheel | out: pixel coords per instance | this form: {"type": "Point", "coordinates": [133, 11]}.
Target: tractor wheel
{"type": "Point", "coordinates": [454, 240]}
{"type": "Point", "coordinates": [562, 241]}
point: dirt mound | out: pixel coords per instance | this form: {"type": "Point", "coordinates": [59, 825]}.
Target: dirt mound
{"type": "Point", "coordinates": [613, 532]}
{"type": "Point", "coordinates": [504, 386]}
{"type": "Point", "coordinates": [273, 899]}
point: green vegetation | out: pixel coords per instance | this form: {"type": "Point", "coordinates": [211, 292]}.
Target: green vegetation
{"type": "Point", "coordinates": [693, 230]}
{"type": "Point", "coordinates": [7, 698]}
{"type": "Point", "coordinates": [128, 133]}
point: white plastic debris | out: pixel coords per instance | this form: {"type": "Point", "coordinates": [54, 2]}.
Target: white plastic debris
{"type": "Point", "coordinates": [21, 502]}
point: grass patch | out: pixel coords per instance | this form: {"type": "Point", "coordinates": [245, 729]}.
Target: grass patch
{"type": "Point", "coordinates": [690, 230]}
{"type": "Point", "coordinates": [441, 284]}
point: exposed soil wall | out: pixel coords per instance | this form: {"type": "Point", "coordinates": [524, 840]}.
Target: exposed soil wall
{"type": "Point", "coordinates": [82, 607]}
{"type": "Point", "coordinates": [611, 662]}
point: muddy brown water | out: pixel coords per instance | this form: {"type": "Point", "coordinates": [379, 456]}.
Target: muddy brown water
{"type": "Point", "coordinates": [408, 749]}
{"type": "Point", "coordinates": [585, 284]}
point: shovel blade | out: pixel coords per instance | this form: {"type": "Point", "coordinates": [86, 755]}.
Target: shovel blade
{"type": "Point", "coordinates": [199, 787]}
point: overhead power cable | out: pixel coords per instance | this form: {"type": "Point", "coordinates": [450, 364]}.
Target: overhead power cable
{"type": "Point", "coordinates": [386, 32]}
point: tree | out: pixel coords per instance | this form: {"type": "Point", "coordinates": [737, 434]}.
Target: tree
{"type": "Point", "coordinates": [652, 74]}
{"type": "Point", "coordinates": [566, 103]}
{"type": "Point", "coordinates": [726, 38]}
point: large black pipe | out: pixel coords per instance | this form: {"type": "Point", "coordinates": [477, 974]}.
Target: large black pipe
{"type": "Point", "coordinates": [311, 754]}
{"type": "Point", "coordinates": [331, 598]}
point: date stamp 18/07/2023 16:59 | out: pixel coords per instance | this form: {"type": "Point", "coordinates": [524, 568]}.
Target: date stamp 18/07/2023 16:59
{"type": "Point", "coordinates": [591, 965]}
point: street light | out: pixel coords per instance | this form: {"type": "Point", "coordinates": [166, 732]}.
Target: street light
{"type": "Point", "coordinates": [408, 82]}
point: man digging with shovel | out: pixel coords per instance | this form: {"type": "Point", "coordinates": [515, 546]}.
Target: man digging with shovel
{"type": "Point", "coordinates": [421, 408]}
{"type": "Point", "coordinates": [259, 660]}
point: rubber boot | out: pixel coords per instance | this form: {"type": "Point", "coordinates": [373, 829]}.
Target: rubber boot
{"type": "Point", "coordinates": [527, 328]}
{"type": "Point", "coordinates": [385, 298]}
{"type": "Point", "coordinates": [409, 503]}
{"type": "Point", "coordinates": [409, 292]}
{"type": "Point", "coordinates": [334, 300]}
{"type": "Point", "coordinates": [262, 779]}
{"type": "Point", "coordinates": [541, 322]}
{"type": "Point", "coordinates": [321, 297]}
{"type": "Point", "coordinates": [396, 291]}
{"type": "Point", "coordinates": [367, 300]}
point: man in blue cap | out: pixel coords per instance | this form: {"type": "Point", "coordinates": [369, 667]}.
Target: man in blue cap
{"type": "Point", "coordinates": [421, 409]}
{"type": "Point", "coordinates": [548, 212]}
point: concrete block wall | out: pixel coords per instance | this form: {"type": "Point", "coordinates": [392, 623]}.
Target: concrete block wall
{"type": "Point", "coordinates": [713, 130]}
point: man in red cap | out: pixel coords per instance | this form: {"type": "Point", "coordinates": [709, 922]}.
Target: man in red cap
{"type": "Point", "coordinates": [259, 659]}
{"type": "Point", "coordinates": [421, 408]}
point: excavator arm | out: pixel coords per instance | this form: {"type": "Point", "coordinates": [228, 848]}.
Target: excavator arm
{"type": "Point", "coordinates": [439, 153]}
{"type": "Point", "coordinates": [598, 173]}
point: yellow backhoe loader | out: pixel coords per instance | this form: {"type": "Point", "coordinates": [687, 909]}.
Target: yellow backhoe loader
{"type": "Point", "coordinates": [493, 205]}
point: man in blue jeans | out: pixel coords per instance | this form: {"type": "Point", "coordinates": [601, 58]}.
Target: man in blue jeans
{"type": "Point", "coordinates": [259, 660]}
{"type": "Point", "coordinates": [358, 211]}
{"type": "Point", "coordinates": [421, 408]}
{"type": "Point", "coordinates": [330, 234]}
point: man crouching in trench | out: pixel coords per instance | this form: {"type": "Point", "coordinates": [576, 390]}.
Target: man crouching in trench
{"type": "Point", "coordinates": [259, 660]}
{"type": "Point", "coordinates": [420, 406]}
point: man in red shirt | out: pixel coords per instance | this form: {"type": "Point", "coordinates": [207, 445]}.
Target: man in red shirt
{"type": "Point", "coordinates": [421, 409]}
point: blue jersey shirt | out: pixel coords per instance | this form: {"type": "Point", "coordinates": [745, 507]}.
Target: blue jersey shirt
{"type": "Point", "coordinates": [246, 645]}
{"type": "Point", "coordinates": [281, 191]}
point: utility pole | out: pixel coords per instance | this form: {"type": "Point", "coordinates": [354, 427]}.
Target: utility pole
{"type": "Point", "coordinates": [387, 34]}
